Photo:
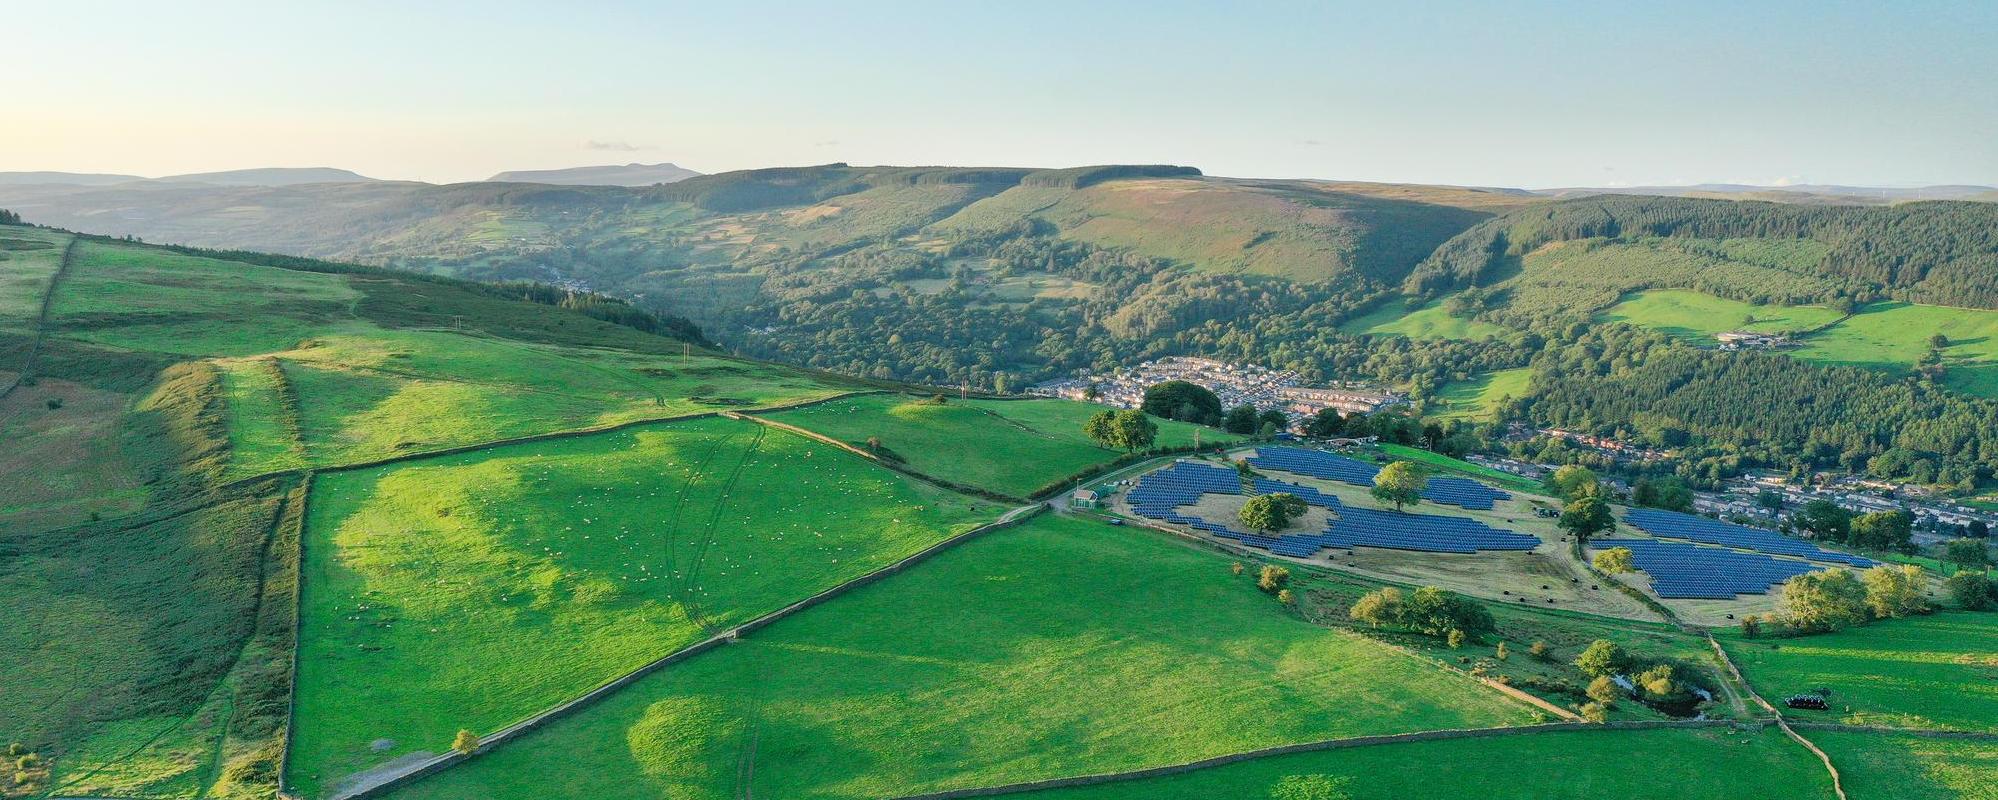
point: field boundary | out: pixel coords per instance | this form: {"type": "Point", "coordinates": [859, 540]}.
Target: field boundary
{"type": "Point", "coordinates": [434, 764]}
{"type": "Point", "coordinates": [27, 371]}
{"type": "Point", "coordinates": [1838, 783]}
{"type": "Point", "coordinates": [892, 466]}
{"type": "Point", "coordinates": [297, 627]}
{"type": "Point", "coordinates": [1310, 747]}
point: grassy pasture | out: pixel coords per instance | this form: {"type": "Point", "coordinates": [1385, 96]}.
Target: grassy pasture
{"type": "Point", "coordinates": [1912, 767]}
{"type": "Point", "coordinates": [1479, 397]}
{"type": "Point", "coordinates": [470, 591]}
{"type": "Point", "coordinates": [28, 259]}
{"type": "Point", "coordinates": [1060, 647]}
{"type": "Point", "coordinates": [1583, 765]}
{"type": "Point", "coordinates": [1443, 463]}
{"type": "Point", "coordinates": [65, 463]}
{"type": "Point", "coordinates": [1696, 317]}
{"type": "Point", "coordinates": [1893, 336]}
{"type": "Point", "coordinates": [1583, 276]}
{"type": "Point", "coordinates": [1938, 671]}
{"type": "Point", "coordinates": [1395, 318]}
{"type": "Point", "coordinates": [1009, 446]}
{"type": "Point", "coordinates": [146, 299]}
{"type": "Point", "coordinates": [263, 435]}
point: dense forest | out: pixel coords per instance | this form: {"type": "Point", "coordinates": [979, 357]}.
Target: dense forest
{"type": "Point", "coordinates": [1932, 252]}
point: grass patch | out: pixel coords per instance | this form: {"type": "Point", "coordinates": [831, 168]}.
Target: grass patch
{"type": "Point", "coordinates": [142, 298]}
{"type": "Point", "coordinates": [1696, 317]}
{"type": "Point", "coordinates": [1013, 447]}
{"type": "Point", "coordinates": [470, 591]}
{"type": "Point", "coordinates": [1912, 767]}
{"type": "Point", "coordinates": [1894, 336]}
{"type": "Point", "coordinates": [1479, 397]}
{"type": "Point", "coordinates": [1060, 647]}
{"type": "Point", "coordinates": [1443, 463]}
{"type": "Point", "coordinates": [1395, 318]}
{"type": "Point", "coordinates": [63, 463]}
{"type": "Point", "coordinates": [1582, 765]}
{"type": "Point", "coordinates": [1938, 671]}
{"type": "Point", "coordinates": [28, 260]}
{"type": "Point", "coordinates": [263, 418]}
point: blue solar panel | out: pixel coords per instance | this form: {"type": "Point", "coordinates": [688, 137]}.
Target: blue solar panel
{"type": "Point", "coordinates": [1159, 494]}
{"type": "Point", "coordinates": [1679, 570]}
{"type": "Point", "coordinates": [1674, 525]}
{"type": "Point", "coordinates": [1327, 466]}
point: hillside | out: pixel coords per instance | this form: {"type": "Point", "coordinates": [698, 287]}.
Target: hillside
{"type": "Point", "coordinates": [608, 175]}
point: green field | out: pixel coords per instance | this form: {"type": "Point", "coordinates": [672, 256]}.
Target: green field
{"type": "Point", "coordinates": [470, 591]}
{"type": "Point", "coordinates": [1061, 647]}
{"type": "Point", "coordinates": [1479, 397]}
{"type": "Point", "coordinates": [28, 259]}
{"type": "Point", "coordinates": [141, 298]}
{"type": "Point", "coordinates": [1894, 336]}
{"type": "Point", "coordinates": [1014, 447]}
{"type": "Point", "coordinates": [1696, 317]}
{"type": "Point", "coordinates": [1912, 767]}
{"type": "Point", "coordinates": [1716, 764]}
{"type": "Point", "coordinates": [1577, 278]}
{"type": "Point", "coordinates": [1923, 672]}
{"type": "Point", "coordinates": [1394, 318]}
{"type": "Point", "coordinates": [1500, 479]}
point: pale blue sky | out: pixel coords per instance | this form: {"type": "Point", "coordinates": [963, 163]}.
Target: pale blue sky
{"type": "Point", "coordinates": [1531, 94]}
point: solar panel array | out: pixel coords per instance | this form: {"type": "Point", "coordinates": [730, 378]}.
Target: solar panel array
{"type": "Point", "coordinates": [1674, 525]}
{"type": "Point", "coordinates": [1682, 571]}
{"type": "Point", "coordinates": [1320, 464]}
{"type": "Point", "coordinates": [1160, 494]}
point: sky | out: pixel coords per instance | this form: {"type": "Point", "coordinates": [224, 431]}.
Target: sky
{"type": "Point", "coordinates": [1526, 94]}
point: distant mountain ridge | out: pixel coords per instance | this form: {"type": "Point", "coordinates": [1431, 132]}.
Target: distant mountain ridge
{"type": "Point", "coordinates": [1793, 193]}
{"type": "Point", "coordinates": [261, 176]}
{"type": "Point", "coordinates": [607, 175]}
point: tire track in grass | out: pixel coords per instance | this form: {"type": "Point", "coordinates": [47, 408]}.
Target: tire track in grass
{"type": "Point", "coordinates": [707, 540]}
{"type": "Point", "coordinates": [27, 371]}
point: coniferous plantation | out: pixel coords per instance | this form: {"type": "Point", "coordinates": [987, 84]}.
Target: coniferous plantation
{"type": "Point", "coordinates": [1356, 404]}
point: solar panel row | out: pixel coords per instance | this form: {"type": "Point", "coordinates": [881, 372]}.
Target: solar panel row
{"type": "Point", "coordinates": [1320, 464]}
{"type": "Point", "coordinates": [1674, 525]}
{"type": "Point", "coordinates": [1160, 495]}
{"type": "Point", "coordinates": [1680, 570]}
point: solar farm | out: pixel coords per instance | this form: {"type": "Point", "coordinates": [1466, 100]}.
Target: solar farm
{"type": "Point", "coordinates": [1674, 525]}
{"type": "Point", "coordinates": [1681, 571]}
{"type": "Point", "coordinates": [1443, 490]}
{"type": "Point", "coordinates": [1160, 496]}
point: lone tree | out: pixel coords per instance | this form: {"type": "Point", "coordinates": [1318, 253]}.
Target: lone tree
{"type": "Point", "coordinates": [1586, 517]}
{"type": "Point", "coordinates": [1826, 600]}
{"type": "Point", "coordinates": [1895, 590]}
{"type": "Point", "coordinates": [1383, 606]}
{"type": "Point", "coordinates": [1400, 483]}
{"type": "Point", "coordinates": [467, 742]}
{"type": "Point", "coordinates": [1241, 419]}
{"type": "Point", "coordinates": [1823, 519]}
{"type": "Point", "coordinates": [1180, 400]}
{"type": "Point", "coordinates": [1572, 481]}
{"type": "Point", "coordinates": [1883, 530]}
{"type": "Point", "coordinates": [1272, 512]}
{"type": "Point", "coordinates": [1615, 561]}
{"type": "Point", "coordinates": [1272, 578]}
{"type": "Point", "coordinates": [1325, 424]}
{"type": "Point", "coordinates": [1602, 657]}
{"type": "Point", "coordinates": [1121, 430]}
{"type": "Point", "coordinates": [1967, 553]}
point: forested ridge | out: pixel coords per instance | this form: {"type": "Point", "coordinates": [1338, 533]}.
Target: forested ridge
{"type": "Point", "coordinates": [1938, 252]}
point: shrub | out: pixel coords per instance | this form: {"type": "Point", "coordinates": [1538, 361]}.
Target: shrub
{"type": "Point", "coordinates": [16, 749]}
{"type": "Point", "coordinates": [29, 761]}
{"type": "Point", "coordinates": [1285, 597]}
{"type": "Point", "coordinates": [1501, 652]}
{"type": "Point", "coordinates": [1539, 650]}
{"type": "Point", "coordinates": [1657, 682]}
{"type": "Point", "coordinates": [1601, 657]}
{"type": "Point", "coordinates": [1379, 607]}
{"type": "Point", "coordinates": [466, 743]}
{"type": "Point", "coordinates": [1751, 626]}
{"type": "Point", "coordinates": [1895, 590]}
{"type": "Point", "coordinates": [1236, 568]}
{"type": "Point", "coordinates": [1272, 578]}
{"type": "Point", "coordinates": [1310, 787]}
{"type": "Point", "coordinates": [1595, 712]}
{"type": "Point", "coordinates": [53, 403]}
{"type": "Point", "coordinates": [1973, 591]}
{"type": "Point", "coordinates": [1455, 638]}
{"type": "Point", "coordinates": [1615, 561]}
{"type": "Point", "coordinates": [1604, 690]}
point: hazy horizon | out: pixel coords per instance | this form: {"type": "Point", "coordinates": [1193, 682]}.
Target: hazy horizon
{"type": "Point", "coordinates": [1535, 96]}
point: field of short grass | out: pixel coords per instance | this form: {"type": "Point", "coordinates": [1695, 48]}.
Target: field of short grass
{"type": "Point", "coordinates": [1939, 671]}
{"type": "Point", "coordinates": [1695, 317]}
{"type": "Point", "coordinates": [147, 299]}
{"type": "Point", "coordinates": [1706, 764]}
{"type": "Point", "coordinates": [1893, 336]}
{"type": "Point", "coordinates": [1013, 447]}
{"type": "Point", "coordinates": [263, 429]}
{"type": "Point", "coordinates": [63, 463]}
{"type": "Point", "coordinates": [470, 591]}
{"type": "Point", "coordinates": [1395, 318]}
{"type": "Point", "coordinates": [1442, 463]}
{"type": "Point", "coordinates": [1912, 767]}
{"type": "Point", "coordinates": [1478, 398]}
{"type": "Point", "coordinates": [28, 259]}
{"type": "Point", "coordinates": [1060, 647]}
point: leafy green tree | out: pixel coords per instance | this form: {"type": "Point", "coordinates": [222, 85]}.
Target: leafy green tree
{"type": "Point", "coordinates": [1658, 683]}
{"type": "Point", "coordinates": [1455, 638]}
{"type": "Point", "coordinates": [1825, 600]}
{"type": "Point", "coordinates": [1615, 561]}
{"type": "Point", "coordinates": [1668, 492]}
{"type": "Point", "coordinates": [1272, 422]}
{"type": "Point", "coordinates": [1586, 517]}
{"type": "Point", "coordinates": [1436, 612]}
{"type": "Point", "coordinates": [1184, 401]}
{"type": "Point", "coordinates": [1102, 429]}
{"type": "Point", "coordinates": [1325, 424]}
{"type": "Point", "coordinates": [1595, 712]}
{"type": "Point", "coordinates": [1271, 512]}
{"type": "Point", "coordinates": [1241, 419]}
{"type": "Point", "coordinates": [1400, 483]}
{"type": "Point", "coordinates": [1604, 690]}
{"type": "Point", "coordinates": [1895, 590]}
{"type": "Point", "coordinates": [1972, 591]}
{"type": "Point", "coordinates": [1824, 519]}
{"type": "Point", "coordinates": [1571, 481]}
{"type": "Point", "coordinates": [1883, 530]}
{"type": "Point", "coordinates": [1967, 553]}
{"type": "Point", "coordinates": [1383, 606]}
{"type": "Point", "coordinates": [1602, 657]}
